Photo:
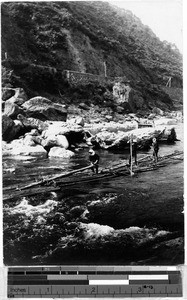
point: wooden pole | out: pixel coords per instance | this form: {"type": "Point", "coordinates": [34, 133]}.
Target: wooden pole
{"type": "Point", "coordinates": [55, 177]}
{"type": "Point", "coordinates": [105, 69]}
{"type": "Point", "coordinates": [131, 172]}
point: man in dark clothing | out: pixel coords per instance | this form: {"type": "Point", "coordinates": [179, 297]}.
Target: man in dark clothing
{"type": "Point", "coordinates": [94, 159]}
{"type": "Point", "coordinates": [155, 149]}
{"type": "Point", "coordinates": [134, 150]}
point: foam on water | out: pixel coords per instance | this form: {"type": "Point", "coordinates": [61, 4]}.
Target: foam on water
{"type": "Point", "coordinates": [95, 230]}
{"type": "Point", "coordinates": [135, 228]}
{"type": "Point", "coordinates": [29, 210]}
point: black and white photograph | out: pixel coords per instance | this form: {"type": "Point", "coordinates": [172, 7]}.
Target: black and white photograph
{"type": "Point", "coordinates": [92, 133]}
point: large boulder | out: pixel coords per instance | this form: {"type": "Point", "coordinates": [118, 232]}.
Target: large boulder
{"type": "Point", "coordinates": [7, 93]}
{"type": "Point", "coordinates": [43, 109]}
{"type": "Point", "coordinates": [110, 139]}
{"type": "Point", "coordinates": [29, 141]}
{"type": "Point", "coordinates": [7, 124]}
{"type": "Point", "coordinates": [143, 136]}
{"type": "Point", "coordinates": [37, 151]}
{"type": "Point", "coordinates": [32, 123]}
{"type": "Point", "coordinates": [73, 132]}
{"type": "Point", "coordinates": [55, 140]}
{"type": "Point", "coordinates": [19, 96]}
{"type": "Point", "coordinates": [111, 127]}
{"type": "Point", "coordinates": [32, 138]}
{"type": "Point", "coordinates": [12, 109]}
{"type": "Point", "coordinates": [121, 91]}
{"type": "Point", "coordinates": [18, 147]}
{"type": "Point", "coordinates": [60, 152]}
{"type": "Point", "coordinates": [10, 128]}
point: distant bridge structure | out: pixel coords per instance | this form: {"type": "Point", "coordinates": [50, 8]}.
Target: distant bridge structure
{"type": "Point", "coordinates": [75, 77]}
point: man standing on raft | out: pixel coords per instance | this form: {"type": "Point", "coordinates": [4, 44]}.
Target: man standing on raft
{"type": "Point", "coordinates": [155, 149]}
{"type": "Point", "coordinates": [94, 159]}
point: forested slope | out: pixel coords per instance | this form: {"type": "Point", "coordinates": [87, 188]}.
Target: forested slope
{"type": "Point", "coordinates": [81, 36]}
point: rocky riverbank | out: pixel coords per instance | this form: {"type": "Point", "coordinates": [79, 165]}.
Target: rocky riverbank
{"type": "Point", "coordinates": [39, 127]}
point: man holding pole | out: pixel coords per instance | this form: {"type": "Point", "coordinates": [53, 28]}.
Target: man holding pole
{"type": "Point", "coordinates": [94, 159]}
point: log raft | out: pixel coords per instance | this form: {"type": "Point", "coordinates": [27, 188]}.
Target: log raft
{"type": "Point", "coordinates": [82, 176]}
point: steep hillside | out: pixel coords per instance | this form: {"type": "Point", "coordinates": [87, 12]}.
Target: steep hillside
{"type": "Point", "coordinates": [176, 95]}
{"type": "Point", "coordinates": [81, 36]}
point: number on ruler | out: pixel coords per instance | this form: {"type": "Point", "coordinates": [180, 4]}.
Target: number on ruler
{"type": "Point", "coordinates": [93, 290]}
{"type": "Point", "coordinates": [140, 289]}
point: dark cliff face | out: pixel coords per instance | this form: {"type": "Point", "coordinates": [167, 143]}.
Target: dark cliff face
{"type": "Point", "coordinates": [81, 36]}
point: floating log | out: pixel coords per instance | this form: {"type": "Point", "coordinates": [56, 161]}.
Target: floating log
{"type": "Point", "coordinates": [15, 194]}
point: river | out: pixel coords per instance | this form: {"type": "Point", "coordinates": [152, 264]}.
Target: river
{"type": "Point", "coordinates": [125, 220]}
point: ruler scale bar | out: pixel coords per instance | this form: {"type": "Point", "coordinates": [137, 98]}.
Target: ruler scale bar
{"type": "Point", "coordinates": [96, 290]}
{"type": "Point", "coordinates": [97, 281]}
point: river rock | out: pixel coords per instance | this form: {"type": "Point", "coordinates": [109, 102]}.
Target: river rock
{"type": "Point", "coordinates": [7, 125]}
{"type": "Point", "coordinates": [7, 93]}
{"type": "Point", "coordinates": [10, 128]}
{"type": "Point", "coordinates": [111, 127]}
{"type": "Point", "coordinates": [165, 121]}
{"type": "Point", "coordinates": [73, 132]}
{"type": "Point", "coordinates": [80, 121]}
{"type": "Point", "coordinates": [120, 109]}
{"type": "Point", "coordinates": [18, 147]}
{"type": "Point", "coordinates": [84, 106]}
{"type": "Point", "coordinates": [33, 123]}
{"type": "Point", "coordinates": [64, 128]}
{"type": "Point", "coordinates": [108, 138]}
{"type": "Point", "coordinates": [62, 141]}
{"type": "Point", "coordinates": [44, 109]}
{"type": "Point", "coordinates": [143, 136]}
{"type": "Point", "coordinates": [12, 109]}
{"type": "Point", "coordinates": [121, 91]}
{"type": "Point", "coordinates": [37, 151]}
{"type": "Point", "coordinates": [50, 141]}
{"type": "Point", "coordinates": [151, 116]}
{"type": "Point", "coordinates": [60, 152]}
{"type": "Point", "coordinates": [33, 132]}
{"type": "Point", "coordinates": [109, 118]}
{"type": "Point", "coordinates": [32, 138]}
{"type": "Point", "coordinates": [28, 141]}
{"type": "Point", "coordinates": [55, 140]}
{"type": "Point", "coordinates": [157, 111]}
